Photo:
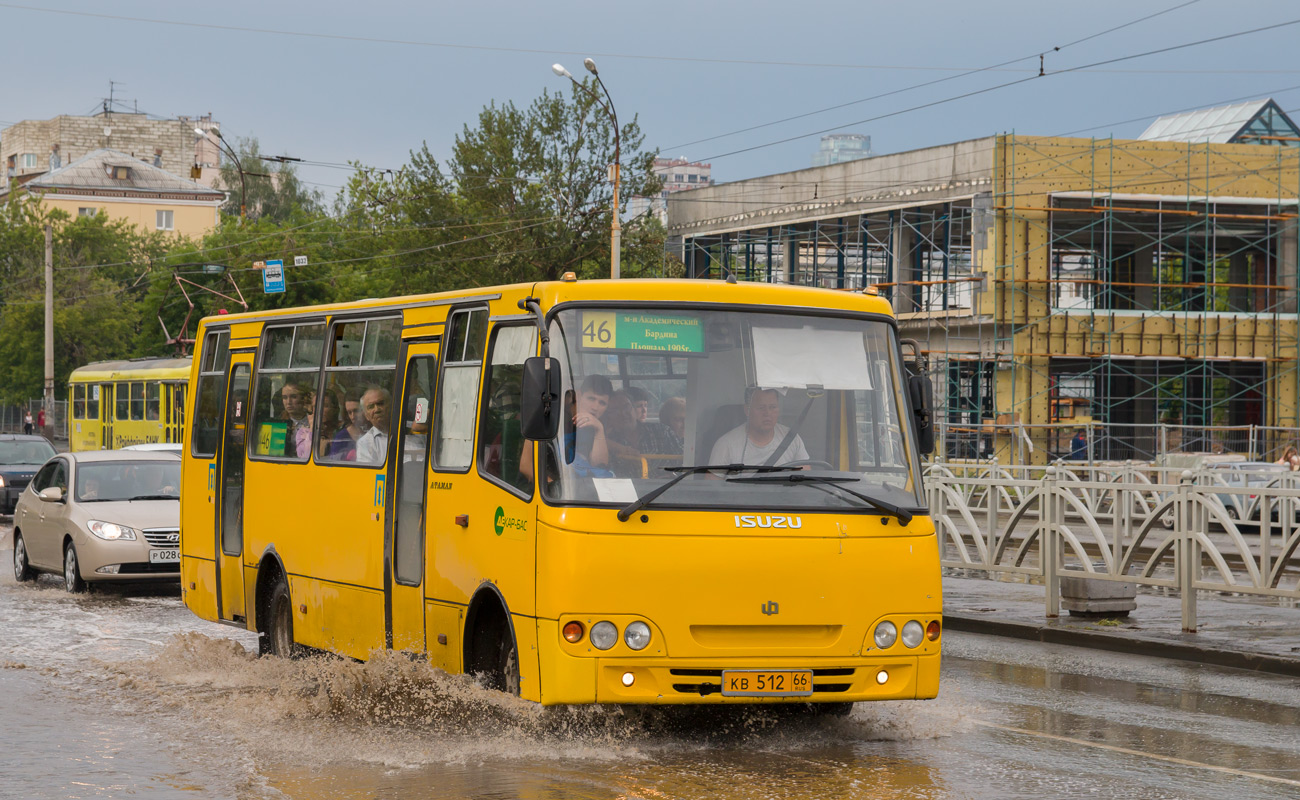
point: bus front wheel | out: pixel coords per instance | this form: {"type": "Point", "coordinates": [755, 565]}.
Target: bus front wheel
{"type": "Point", "coordinates": [277, 639]}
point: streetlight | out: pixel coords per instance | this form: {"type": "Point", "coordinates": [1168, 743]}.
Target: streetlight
{"type": "Point", "coordinates": [616, 231]}
{"type": "Point", "coordinates": [243, 189]}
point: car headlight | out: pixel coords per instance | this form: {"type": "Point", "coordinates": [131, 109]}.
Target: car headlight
{"type": "Point", "coordinates": [637, 635]}
{"type": "Point", "coordinates": [110, 531]}
{"type": "Point", "coordinates": [603, 635]}
{"type": "Point", "coordinates": [913, 633]}
{"type": "Point", "coordinates": [886, 634]}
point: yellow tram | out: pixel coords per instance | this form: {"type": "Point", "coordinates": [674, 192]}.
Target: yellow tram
{"type": "Point", "coordinates": [118, 403]}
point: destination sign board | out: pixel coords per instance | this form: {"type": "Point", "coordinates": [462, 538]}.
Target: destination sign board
{"type": "Point", "coordinates": [641, 331]}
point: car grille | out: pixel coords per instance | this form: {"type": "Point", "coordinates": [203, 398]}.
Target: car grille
{"type": "Point", "coordinates": [168, 538]}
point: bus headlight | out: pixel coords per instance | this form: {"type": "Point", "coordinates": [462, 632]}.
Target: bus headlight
{"type": "Point", "coordinates": [603, 635]}
{"type": "Point", "coordinates": [637, 635]}
{"type": "Point", "coordinates": [886, 634]}
{"type": "Point", "coordinates": [913, 633]}
{"type": "Point", "coordinates": [110, 531]}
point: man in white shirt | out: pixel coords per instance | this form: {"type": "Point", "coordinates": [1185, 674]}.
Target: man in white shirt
{"type": "Point", "coordinates": [372, 447]}
{"type": "Point", "coordinates": [754, 442]}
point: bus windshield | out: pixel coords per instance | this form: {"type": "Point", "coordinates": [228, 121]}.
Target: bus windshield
{"type": "Point", "coordinates": [650, 392]}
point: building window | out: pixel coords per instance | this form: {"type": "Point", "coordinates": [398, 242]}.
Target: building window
{"type": "Point", "coordinates": [87, 212]}
{"type": "Point", "coordinates": [677, 178]}
{"type": "Point", "coordinates": [165, 220]}
{"type": "Point", "coordinates": [692, 178]}
{"type": "Point", "coordinates": [29, 160]}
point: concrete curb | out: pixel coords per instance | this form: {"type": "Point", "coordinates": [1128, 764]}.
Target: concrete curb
{"type": "Point", "coordinates": [1119, 643]}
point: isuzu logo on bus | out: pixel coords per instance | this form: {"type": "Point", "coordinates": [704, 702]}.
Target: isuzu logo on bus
{"type": "Point", "coordinates": [767, 521]}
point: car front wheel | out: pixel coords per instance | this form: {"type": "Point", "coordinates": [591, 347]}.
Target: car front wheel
{"type": "Point", "coordinates": [22, 567]}
{"type": "Point", "coordinates": [72, 571]}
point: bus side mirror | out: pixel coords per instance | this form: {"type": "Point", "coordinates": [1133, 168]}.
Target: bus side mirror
{"type": "Point", "coordinates": [922, 395]}
{"type": "Point", "coordinates": [539, 406]}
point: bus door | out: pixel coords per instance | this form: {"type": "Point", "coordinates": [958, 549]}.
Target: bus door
{"type": "Point", "coordinates": [405, 533]}
{"type": "Point", "coordinates": [230, 491]}
{"type": "Point", "coordinates": [106, 415]}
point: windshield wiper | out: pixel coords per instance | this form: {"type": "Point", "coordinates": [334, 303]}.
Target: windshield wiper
{"type": "Point", "coordinates": [155, 497]}
{"type": "Point", "coordinates": [683, 472]}
{"type": "Point", "coordinates": [826, 482]}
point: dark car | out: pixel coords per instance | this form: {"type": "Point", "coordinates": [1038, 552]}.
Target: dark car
{"type": "Point", "coordinates": [20, 457]}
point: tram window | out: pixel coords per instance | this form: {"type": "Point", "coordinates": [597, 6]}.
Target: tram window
{"type": "Point", "coordinates": [462, 363]}
{"type": "Point", "coordinates": [210, 395]}
{"type": "Point", "coordinates": [78, 401]}
{"type": "Point", "coordinates": [92, 401]}
{"type": "Point", "coordinates": [178, 404]}
{"type": "Point", "coordinates": [287, 380]}
{"type": "Point", "coordinates": [357, 404]}
{"type": "Point", "coordinates": [153, 401]}
{"type": "Point", "coordinates": [137, 400]}
{"type": "Point", "coordinates": [122, 398]}
{"type": "Point", "coordinates": [500, 441]}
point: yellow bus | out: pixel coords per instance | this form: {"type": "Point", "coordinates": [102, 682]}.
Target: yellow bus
{"type": "Point", "coordinates": [113, 404]}
{"type": "Point", "coordinates": [581, 491]}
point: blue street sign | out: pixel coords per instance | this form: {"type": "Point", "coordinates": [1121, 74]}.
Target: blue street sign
{"type": "Point", "coordinates": [273, 277]}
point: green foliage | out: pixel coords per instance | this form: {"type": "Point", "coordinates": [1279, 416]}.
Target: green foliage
{"type": "Point", "coordinates": [274, 190]}
{"type": "Point", "coordinates": [524, 196]}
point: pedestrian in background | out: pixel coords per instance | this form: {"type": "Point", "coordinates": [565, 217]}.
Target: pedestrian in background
{"type": "Point", "coordinates": [40, 420]}
{"type": "Point", "coordinates": [27, 422]}
{"type": "Point", "coordinates": [1290, 459]}
{"type": "Point", "coordinates": [1079, 447]}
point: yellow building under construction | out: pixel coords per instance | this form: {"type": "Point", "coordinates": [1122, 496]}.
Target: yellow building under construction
{"type": "Point", "coordinates": [1140, 292]}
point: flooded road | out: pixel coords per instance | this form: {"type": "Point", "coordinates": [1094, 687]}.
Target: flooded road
{"type": "Point", "coordinates": [126, 694]}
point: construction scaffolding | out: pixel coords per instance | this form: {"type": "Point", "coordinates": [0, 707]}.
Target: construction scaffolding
{"type": "Point", "coordinates": [1142, 292]}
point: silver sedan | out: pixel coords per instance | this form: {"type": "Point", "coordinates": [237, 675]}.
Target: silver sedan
{"type": "Point", "coordinates": [109, 515]}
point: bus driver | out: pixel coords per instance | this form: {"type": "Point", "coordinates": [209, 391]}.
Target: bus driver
{"type": "Point", "coordinates": [755, 442]}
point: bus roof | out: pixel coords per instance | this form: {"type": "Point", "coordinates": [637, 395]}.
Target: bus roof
{"type": "Point", "coordinates": [133, 369]}
{"type": "Point", "coordinates": [614, 291]}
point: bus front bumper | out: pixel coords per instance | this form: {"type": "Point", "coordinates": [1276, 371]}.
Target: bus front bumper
{"type": "Point", "coordinates": [697, 681]}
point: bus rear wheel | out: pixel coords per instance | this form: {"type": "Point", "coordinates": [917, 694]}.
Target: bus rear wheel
{"type": "Point", "coordinates": [506, 678]}
{"type": "Point", "coordinates": [277, 638]}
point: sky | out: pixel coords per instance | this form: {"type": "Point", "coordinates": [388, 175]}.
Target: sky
{"type": "Point", "coordinates": [688, 71]}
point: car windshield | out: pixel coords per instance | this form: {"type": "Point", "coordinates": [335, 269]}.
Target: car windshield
{"type": "Point", "coordinates": [652, 390]}
{"type": "Point", "coordinates": [33, 451]}
{"type": "Point", "coordinates": [102, 481]}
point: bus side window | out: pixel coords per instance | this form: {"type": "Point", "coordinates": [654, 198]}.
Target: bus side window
{"type": "Point", "coordinates": [461, 365]}
{"type": "Point", "coordinates": [357, 405]}
{"type": "Point", "coordinates": [122, 401]}
{"type": "Point", "coordinates": [284, 400]}
{"type": "Point", "coordinates": [153, 403]}
{"type": "Point", "coordinates": [500, 441]}
{"type": "Point", "coordinates": [210, 395]}
{"type": "Point", "coordinates": [137, 400]}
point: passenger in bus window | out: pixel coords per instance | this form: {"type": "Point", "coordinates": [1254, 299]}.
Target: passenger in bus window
{"type": "Point", "coordinates": [641, 400]}
{"type": "Point", "coordinates": [372, 447]}
{"type": "Point", "coordinates": [294, 399]}
{"type": "Point", "coordinates": [585, 448]}
{"type": "Point", "coordinates": [343, 447]}
{"type": "Point", "coordinates": [664, 437]}
{"type": "Point", "coordinates": [620, 421]}
{"type": "Point", "coordinates": [330, 421]}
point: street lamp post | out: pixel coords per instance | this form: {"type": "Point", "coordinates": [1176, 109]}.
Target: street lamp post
{"type": "Point", "coordinates": [616, 230]}
{"type": "Point", "coordinates": [243, 188]}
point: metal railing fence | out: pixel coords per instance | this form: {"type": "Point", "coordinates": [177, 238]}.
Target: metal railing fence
{"type": "Point", "coordinates": [1186, 531]}
{"type": "Point", "coordinates": [56, 415]}
{"type": "Point", "coordinates": [1019, 444]}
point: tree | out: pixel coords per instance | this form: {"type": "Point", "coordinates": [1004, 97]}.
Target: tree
{"type": "Point", "coordinates": [274, 190]}
{"type": "Point", "coordinates": [525, 197]}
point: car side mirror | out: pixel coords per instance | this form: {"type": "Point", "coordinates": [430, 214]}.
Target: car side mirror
{"type": "Point", "coordinates": [922, 394]}
{"type": "Point", "coordinates": [52, 494]}
{"type": "Point", "coordinates": [539, 406]}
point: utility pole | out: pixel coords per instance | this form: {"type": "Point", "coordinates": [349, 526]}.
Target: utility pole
{"type": "Point", "coordinates": [49, 328]}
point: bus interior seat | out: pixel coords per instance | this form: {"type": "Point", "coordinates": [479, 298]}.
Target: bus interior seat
{"type": "Point", "coordinates": [726, 418]}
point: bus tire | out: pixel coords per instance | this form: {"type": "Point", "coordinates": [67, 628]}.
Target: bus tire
{"type": "Point", "coordinates": [72, 570]}
{"type": "Point", "coordinates": [278, 633]}
{"type": "Point", "coordinates": [507, 666]}
{"type": "Point", "coordinates": [22, 565]}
